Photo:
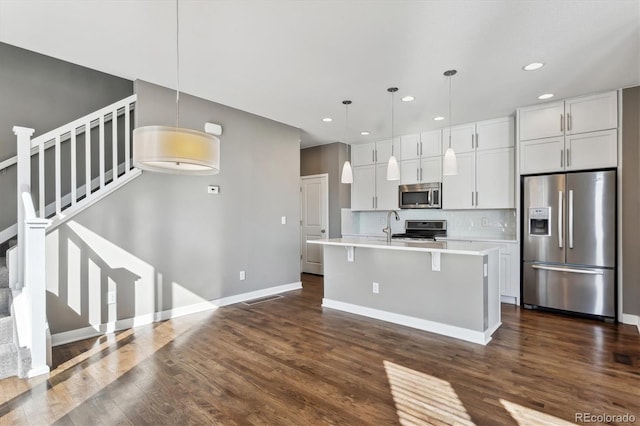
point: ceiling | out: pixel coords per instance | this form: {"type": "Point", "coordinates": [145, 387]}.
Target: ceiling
{"type": "Point", "coordinates": [295, 61]}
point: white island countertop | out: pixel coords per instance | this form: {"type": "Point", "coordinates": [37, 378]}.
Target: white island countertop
{"type": "Point", "coordinates": [452, 247]}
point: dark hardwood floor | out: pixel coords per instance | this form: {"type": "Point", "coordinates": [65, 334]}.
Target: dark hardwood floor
{"type": "Point", "coordinates": [288, 361]}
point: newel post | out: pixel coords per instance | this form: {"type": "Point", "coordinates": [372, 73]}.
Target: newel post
{"type": "Point", "coordinates": [24, 185]}
{"type": "Point", "coordinates": [36, 287]}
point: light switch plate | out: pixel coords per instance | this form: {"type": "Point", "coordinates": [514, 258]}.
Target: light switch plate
{"type": "Point", "coordinates": [283, 220]}
{"type": "Point", "coordinates": [213, 189]}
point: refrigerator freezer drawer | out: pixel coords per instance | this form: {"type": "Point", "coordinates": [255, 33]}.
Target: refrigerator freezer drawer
{"type": "Point", "coordinates": [576, 289]}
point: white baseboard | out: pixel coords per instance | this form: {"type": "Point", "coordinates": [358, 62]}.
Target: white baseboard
{"type": "Point", "coordinates": [88, 332]}
{"type": "Point", "coordinates": [509, 299]}
{"type": "Point", "coordinates": [632, 320]}
{"type": "Point", "coordinates": [472, 336]}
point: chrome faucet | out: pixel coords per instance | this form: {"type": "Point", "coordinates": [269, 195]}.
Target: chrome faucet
{"type": "Point", "coordinates": [387, 230]}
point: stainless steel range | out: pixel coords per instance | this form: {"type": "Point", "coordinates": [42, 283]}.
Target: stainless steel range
{"type": "Point", "coordinates": [424, 230]}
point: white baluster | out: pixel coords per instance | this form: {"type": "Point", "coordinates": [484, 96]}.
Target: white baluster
{"type": "Point", "coordinates": [114, 144]}
{"type": "Point", "coordinates": [127, 141]}
{"type": "Point", "coordinates": [58, 176]}
{"type": "Point", "coordinates": [87, 159]}
{"type": "Point", "coordinates": [101, 153]}
{"type": "Point", "coordinates": [74, 195]}
{"type": "Point", "coordinates": [41, 182]}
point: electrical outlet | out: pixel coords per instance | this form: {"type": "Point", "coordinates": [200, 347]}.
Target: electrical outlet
{"type": "Point", "coordinates": [111, 297]}
{"type": "Point", "coordinates": [242, 276]}
{"type": "Point", "coordinates": [376, 288]}
{"type": "Point", "coordinates": [213, 189]}
{"type": "Point", "coordinates": [484, 222]}
{"type": "Point", "coordinates": [283, 220]}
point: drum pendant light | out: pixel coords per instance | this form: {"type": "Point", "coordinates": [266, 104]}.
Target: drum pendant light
{"type": "Point", "coordinates": [393, 170]}
{"type": "Point", "coordinates": [450, 164]}
{"type": "Point", "coordinates": [347, 172]}
{"type": "Point", "coordinates": [175, 150]}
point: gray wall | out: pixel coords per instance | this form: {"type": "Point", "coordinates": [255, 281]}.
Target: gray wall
{"type": "Point", "coordinates": [43, 93]}
{"type": "Point", "coordinates": [163, 242]}
{"type": "Point", "coordinates": [631, 200]}
{"type": "Point", "coordinates": [329, 159]}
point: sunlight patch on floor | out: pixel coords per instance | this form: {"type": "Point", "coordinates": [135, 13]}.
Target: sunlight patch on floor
{"type": "Point", "coordinates": [529, 417]}
{"type": "Point", "coordinates": [422, 399]}
{"type": "Point", "coordinates": [54, 396]}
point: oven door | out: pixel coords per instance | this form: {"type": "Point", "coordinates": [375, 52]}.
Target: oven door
{"type": "Point", "coordinates": [414, 199]}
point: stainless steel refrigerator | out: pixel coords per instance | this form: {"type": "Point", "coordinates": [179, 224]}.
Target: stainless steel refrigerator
{"type": "Point", "coordinates": [569, 242]}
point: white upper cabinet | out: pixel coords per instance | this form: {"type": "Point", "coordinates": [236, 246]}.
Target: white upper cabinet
{"type": "Point", "coordinates": [592, 113]}
{"type": "Point", "coordinates": [497, 133]}
{"type": "Point", "coordinates": [421, 158]}
{"type": "Point", "coordinates": [385, 149]}
{"type": "Point", "coordinates": [459, 191]}
{"type": "Point", "coordinates": [486, 172]}
{"type": "Point", "coordinates": [575, 134]}
{"type": "Point", "coordinates": [363, 188]}
{"type": "Point", "coordinates": [386, 191]}
{"type": "Point", "coordinates": [591, 150]}
{"type": "Point", "coordinates": [462, 138]}
{"type": "Point", "coordinates": [410, 146]}
{"type": "Point", "coordinates": [363, 154]}
{"type": "Point", "coordinates": [495, 178]}
{"type": "Point", "coordinates": [541, 121]}
{"type": "Point", "coordinates": [430, 143]}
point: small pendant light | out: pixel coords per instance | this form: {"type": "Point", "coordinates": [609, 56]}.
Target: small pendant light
{"type": "Point", "coordinates": [450, 166]}
{"type": "Point", "coordinates": [393, 171]}
{"type": "Point", "coordinates": [347, 173]}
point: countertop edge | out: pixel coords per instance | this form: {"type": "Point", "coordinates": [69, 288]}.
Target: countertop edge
{"type": "Point", "coordinates": [398, 245]}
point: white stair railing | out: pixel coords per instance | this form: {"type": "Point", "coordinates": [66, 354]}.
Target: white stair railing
{"type": "Point", "coordinates": [33, 226]}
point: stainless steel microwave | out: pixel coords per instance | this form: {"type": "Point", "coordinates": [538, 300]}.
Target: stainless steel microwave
{"type": "Point", "coordinates": [420, 196]}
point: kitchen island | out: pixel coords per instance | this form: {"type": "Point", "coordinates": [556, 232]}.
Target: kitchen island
{"type": "Point", "coordinates": [445, 287]}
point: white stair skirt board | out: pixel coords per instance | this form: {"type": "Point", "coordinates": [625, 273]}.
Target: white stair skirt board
{"type": "Point", "coordinates": [465, 334]}
{"type": "Point", "coordinates": [87, 332]}
{"type": "Point", "coordinates": [632, 320]}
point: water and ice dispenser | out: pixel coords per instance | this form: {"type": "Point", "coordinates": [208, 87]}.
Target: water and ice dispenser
{"type": "Point", "coordinates": [539, 221]}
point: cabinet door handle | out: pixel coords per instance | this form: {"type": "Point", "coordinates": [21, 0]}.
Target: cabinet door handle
{"type": "Point", "coordinates": [562, 158]}
{"type": "Point", "coordinates": [373, 202]}
{"type": "Point", "coordinates": [373, 155]}
{"type": "Point", "coordinates": [477, 141]}
{"type": "Point", "coordinates": [562, 122]}
{"type": "Point", "coordinates": [471, 140]}
{"type": "Point", "coordinates": [569, 121]}
{"type": "Point", "coordinates": [376, 160]}
{"type": "Point", "coordinates": [418, 175]}
{"type": "Point", "coordinates": [568, 157]}
{"type": "Point", "coordinates": [420, 147]}
{"type": "Point", "coordinates": [417, 149]}
{"type": "Point", "coordinates": [476, 198]}
{"type": "Point", "coordinates": [472, 199]}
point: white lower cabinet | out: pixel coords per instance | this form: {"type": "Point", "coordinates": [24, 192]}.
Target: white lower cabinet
{"type": "Point", "coordinates": [510, 273]}
{"type": "Point", "coordinates": [509, 269]}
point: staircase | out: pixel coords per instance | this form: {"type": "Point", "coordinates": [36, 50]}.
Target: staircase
{"type": "Point", "coordinates": [14, 361]}
{"type": "Point", "coordinates": [102, 137]}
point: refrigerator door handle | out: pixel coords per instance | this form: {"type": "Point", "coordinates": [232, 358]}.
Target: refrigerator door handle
{"type": "Point", "coordinates": [570, 214]}
{"type": "Point", "coordinates": [560, 230]}
{"type": "Point", "coordinates": [577, 271]}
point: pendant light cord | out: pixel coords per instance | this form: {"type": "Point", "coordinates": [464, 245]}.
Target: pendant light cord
{"type": "Point", "coordinates": [449, 111]}
{"type": "Point", "coordinates": [392, 120]}
{"type": "Point", "coordinates": [177, 64]}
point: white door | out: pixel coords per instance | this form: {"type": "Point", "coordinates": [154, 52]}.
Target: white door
{"type": "Point", "coordinates": [314, 221]}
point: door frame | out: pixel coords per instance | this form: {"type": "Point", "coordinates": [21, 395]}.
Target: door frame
{"type": "Point", "coordinates": [326, 208]}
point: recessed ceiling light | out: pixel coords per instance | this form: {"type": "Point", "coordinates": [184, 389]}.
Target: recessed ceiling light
{"type": "Point", "coordinates": [365, 133]}
{"type": "Point", "coordinates": [546, 96]}
{"type": "Point", "coordinates": [407, 98]}
{"type": "Point", "coordinates": [438, 118]}
{"type": "Point", "coordinates": [533, 66]}
{"type": "Point", "coordinates": [327, 119]}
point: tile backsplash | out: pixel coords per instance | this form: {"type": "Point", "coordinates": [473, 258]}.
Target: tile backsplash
{"type": "Point", "coordinates": [465, 223]}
